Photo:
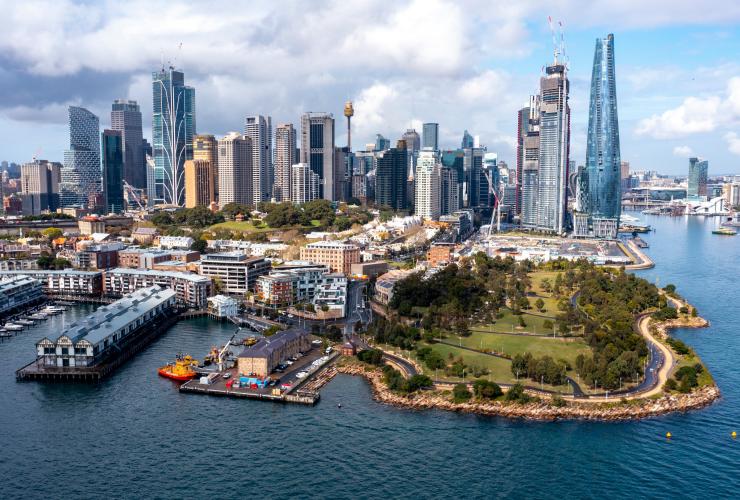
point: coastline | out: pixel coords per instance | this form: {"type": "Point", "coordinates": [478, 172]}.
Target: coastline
{"type": "Point", "coordinates": [651, 403]}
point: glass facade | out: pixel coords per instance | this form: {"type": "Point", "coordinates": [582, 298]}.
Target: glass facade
{"type": "Point", "coordinates": [698, 173]}
{"type": "Point", "coordinates": [390, 179]}
{"type": "Point", "coordinates": [80, 176]}
{"type": "Point", "coordinates": [603, 195]}
{"type": "Point", "coordinates": [173, 128]}
{"type": "Point", "coordinates": [430, 136]}
{"type": "Point", "coordinates": [113, 168]}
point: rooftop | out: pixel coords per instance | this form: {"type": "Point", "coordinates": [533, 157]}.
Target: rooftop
{"type": "Point", "coordinates": [169, 274]}
{"type": "Point", "coordinates": [16, 281]}
{"type": "Point", "coordinates": [266, 346]}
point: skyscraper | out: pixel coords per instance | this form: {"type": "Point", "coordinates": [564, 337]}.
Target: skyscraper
{"type": "Point", "coordinates": [304, 184]}
{"type": "Point", "coordinates": [430, 136]}
{"type": "Point", "coordinates": [113, 169]}
{"type": "Point", "coordinates": [259, 129]}
{"type": "Point", "coordinates": [381, 143]}
{"type": "Point", "coordinates": [390, 178]}
{"type": "Point", "coordinates": [454, 160]}
{"type": "Point", "coordinates": [40, 186]}
{"type": "Point", "coordinates": [603, 199]}
{"type": "Point", "coordinates": [199, 183]}
{"type": "Point", "coordinates": [522, 129]}
{"type": "Point", "coordinates": [173, 128]}
{"type": "Point", "coordinates": [467, 140]}
{"type": "Point", "coordinates": [285, 158]}
{"type": "Point", "coordinates": [698, 173]}
{"type": "Point", "coordinates": [235, 170]}
{"type": "Point", "coordinates": [530, 165]}
{"type": "Point", "coordinates": [427, 185]}
{"type": "Point", "coordinates": [472, 174]}
{"type": "Point", "coordinates": [125, 116]}
{"type": "Point", "coordinates": [317, 149]}
{"type": "Point", "coordinates": [413, 141]}
{"type": "Point", "coordinates": [554, 150]}
{"type": "Point", "coordinates": [80, 176]}
{"type": "Point", "coordinates": [205, 148]}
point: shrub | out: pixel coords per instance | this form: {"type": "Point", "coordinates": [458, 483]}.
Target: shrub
{"type": "Point", "coordinates": [371, 356]}
{"type": "Point", "coordinates": [483, 389]}
{"type": "Point", "coordinates": [516, 393]}
{"type": "Point", "coordinates": [460, 393]}
{"type": "Point", "coordinates": [670, 385]}
{"type": "Point", "coordinates": [558, 401]}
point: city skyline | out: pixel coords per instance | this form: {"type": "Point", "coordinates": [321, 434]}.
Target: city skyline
{"type": "Point", "coordinates": [661, 127]}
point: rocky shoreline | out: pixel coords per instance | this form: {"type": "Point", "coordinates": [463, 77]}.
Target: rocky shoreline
{"type": "Point", "coordinates": [540, 410]}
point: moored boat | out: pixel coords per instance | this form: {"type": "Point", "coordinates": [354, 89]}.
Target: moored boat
{"type": "Point", "coordinates": [182, 369]}
{"type": "Point", "coordinates": [724, 231]}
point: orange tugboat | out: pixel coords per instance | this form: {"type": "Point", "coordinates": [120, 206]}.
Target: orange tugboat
{"type": "Point", "coordinates": [181, 369]}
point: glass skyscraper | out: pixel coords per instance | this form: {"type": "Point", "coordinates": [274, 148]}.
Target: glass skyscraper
{"type": "Point", "coordinates": [80, 176]}
{"type": "Point", "coordinates": [698, 173]}
{"type": "Point", "coordinates": [113, 168]}
{"type": "Point", "coordinates": [603, 197]}
{"type": "Point", "coordinates": [173, 128]}
{"type": "Point", "coordinates": [125, 116]}
{"type": "Point", "coordinates": [430, 136]}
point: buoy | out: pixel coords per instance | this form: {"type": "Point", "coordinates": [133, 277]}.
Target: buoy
{"type": "Point", "coordinates": [734, 434]}
{"type": "Point", "coordinates": [668, 435]}
{"type": "Point", "coordinates": [339, 405]}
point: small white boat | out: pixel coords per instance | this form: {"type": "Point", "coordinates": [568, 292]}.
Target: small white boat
{"type": "Point", "coordinates": [13, 327]}
{"type": "Point", "coordinates": [24, 322]}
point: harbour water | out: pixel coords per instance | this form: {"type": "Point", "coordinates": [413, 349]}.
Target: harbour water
{"type": "Point", "coordinates": [135, 435]}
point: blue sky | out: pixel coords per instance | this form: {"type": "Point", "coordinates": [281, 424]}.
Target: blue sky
{"type": "Point", "coordinates": [468, 65]}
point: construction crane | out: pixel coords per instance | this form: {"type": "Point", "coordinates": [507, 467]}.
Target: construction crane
{"type": "Point", "coordinates": [558, 42]}
{"type": "Point", "coordinates": [223, 351]}
{"type": "Point", "coordinates": [131, 194]}
{"type": "Point", "coordinates": [496, 213]}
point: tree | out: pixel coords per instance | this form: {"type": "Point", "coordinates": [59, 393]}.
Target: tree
{"type": "Point", "coordinates": [371, 356]}
{"type": "Point", "coordinates": [52, 233]}
{"type": "Point", "coordinates": [540, 304]}
{"type": "Point", "coordinates": [547, 324]}
{"type": "Point", "coordinates": [522, 324]}
{"type": "Point", "coordinates": [516, 393]}
{"type": "Point", "coordinates": [199, 245]}
{"type": "Point", "coordinates": [460, 393]}
{"type": "Point", "coordinates": [483, 389]}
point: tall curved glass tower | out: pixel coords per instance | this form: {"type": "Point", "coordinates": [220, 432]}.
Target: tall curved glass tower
{"type": "Point", "coordinates": [603, 198]}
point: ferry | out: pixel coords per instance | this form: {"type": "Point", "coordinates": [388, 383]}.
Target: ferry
{"type": "Point", "coordinates": [182, 369]}
{"type": "Point", "coordinates": [724, 231]}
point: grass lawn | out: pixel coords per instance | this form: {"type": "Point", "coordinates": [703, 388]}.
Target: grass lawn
{"type": "Point", "coordinates": [558, 348]}
{"type": "Point", "coordinates": [248, 227]}
{"type": "Point", "coordinates": [551, 302]}
{"type": "Point", "coordinates": [509, 323]}
{"type": "Point", "coordinates": [500, 368]}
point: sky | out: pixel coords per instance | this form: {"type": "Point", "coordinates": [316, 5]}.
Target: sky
{"type": "Point", "coordinates": [465, 64]}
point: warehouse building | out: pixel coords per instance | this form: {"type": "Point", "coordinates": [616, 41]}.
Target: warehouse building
{"type": "Point", "coordinates": [261, 358]}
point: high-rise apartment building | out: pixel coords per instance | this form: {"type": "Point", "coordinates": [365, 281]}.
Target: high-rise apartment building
{"type": "Point", "coordinates": [40, 186]}
{"type": "Point", "coordinates": [304, 184]}
{"type": "Point", "coordinates": [603, 199]}
{"type": "Point", "coordinates": [430, 136]}
{"type": "Point", "coordinates": [113, 170]}
{"type": "Point", "coordinates": [199, 183]}
{"type": "Point", "coordinates": [125, 116]}
{"type": "Point", "coordinates": [448, 200]}
{"type": "Point", "coordinates": [317, 149]}
{"type": "Point", "coordinates": [698, 174]}
{"type": "Point", "coordinates": [390, 178]}
{"type": "Point", "coordinates": [205, 148]}
{"type": "Point", "coordinates": [285, 158]}
{"type": "Point", "coordinates": [259, 129]}
{"type": "Point", "coordinates": [173, 128]}
{"type": "Point", "coordinates": [427, 185]}
{"type": "Point", "coordinates": [80, 176]}
{"type": "Point", "coordinates": [235, 170]}
{"type": "Point", "coordinates": [554, 145]}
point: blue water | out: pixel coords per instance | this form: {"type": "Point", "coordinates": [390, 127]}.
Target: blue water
{"type": "Point", "coordinates": [134, 435]}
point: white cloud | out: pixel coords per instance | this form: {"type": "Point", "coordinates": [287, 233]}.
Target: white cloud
{"type": "Point", "coordinates": [487, 87]}
{"type": "Point", "coordinates": [682, 151]}
{"type": "Point", "coordinates": [733, 142]}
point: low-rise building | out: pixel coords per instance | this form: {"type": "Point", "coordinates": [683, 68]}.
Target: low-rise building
{"type": "Point", "coordinates": [18, 264]}
{"type": "Point", "coordinates": [338, 256]}
{"type": "Point", "coordinates": [181, 242]}
{"type": "Point", "coordinates": [385, 283]}
{"type": "Point", "coordinates": [237, 273]}
{"type": "Point", "coordinates": [18, 292]}
{"type": "Point", "coordinates": [192, 290]}
{"type": "Point", "coordinates": [144, 235]}
{"type": "Point", "coordinates": [261, 358]}
{"type": "Point", "coordinates": [222, 306]}
{"type": "Point", "coordinates": [314, 285]}
{"type": "Point", "coordinates": [102, 334]}
{"type": "Point", "coordinates": [440, 254]}
{"type": "Point", "coordinates": [89, 225]}
{"type": "Point", "coordinates": [371, 269]}
{"type": "Point", "coordinates": [66, 282]}
{"type": "Point", "coordinates": [148, 258]}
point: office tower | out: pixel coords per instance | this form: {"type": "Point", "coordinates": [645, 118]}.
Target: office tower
{"type": "Point", "coordinates": [448, 199]}
{"type": "Point", "coordinates": [80, 176]}
{"type": "Point", "coordinates": [427, 185]}
{"type": "Point", "coordinates": [113, 170]}
{"type": "Point", "coordinates": [304, 184]}
{"type": "Point", "coordinates": [413, 141]}
{"type": "Point", "coordinates": [125, 116]}
{"type": "Point", "coordinates": [342, 165]}
{"type": "Point", "coordinates": [285, 158]}
{"type": "Point", "coordinates": [698, 173]}
{"type": "Point", "coordinates": [317, 149]}
{"type": "Point", "coordinates": [467, 141]}
{"type": "Point", "coordinates": [624, 168]}
{"type": "Point", "coordinates": [522, 129]}
{"type": "Point", "coordinates": [40, 186]}
{"type": "Point", "coordinates": [390, 178]}
{"type": "Point", "coordinates": [259, 129]}
{"type": "Point", "coordinates": [199, 183]}
{"type": "Point", "coordinates": [430, 136]}
{"type": "Point", "coordinates": [455, 160]}
{"type": "Point", "coordinates": [173, 128]}
{"type": "Point", "coordinates": [235, 170]}
{"type": "Point", "coordinates": [472, 174]}
{"type": "Point", "coordinates": [349, 112]}
{"type": "Point", "coordinates": [603, 200]}
{"type": "Point", "coordinates": [381, 143]}
{"type": "Point", "coordinates": [530, 165]}
{"type": "Point", "coordinates": [554, 150]}
{"type": "Point", "coordinates": [205, 148]}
